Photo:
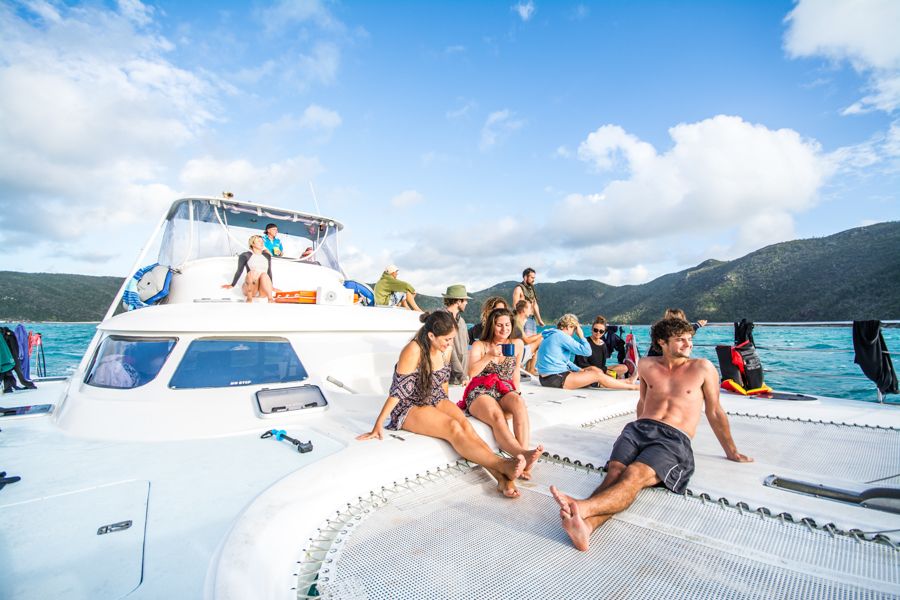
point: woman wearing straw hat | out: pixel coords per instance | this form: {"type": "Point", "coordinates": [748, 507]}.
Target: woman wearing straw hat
{"type": "Point", "coordinates": [455, 301]}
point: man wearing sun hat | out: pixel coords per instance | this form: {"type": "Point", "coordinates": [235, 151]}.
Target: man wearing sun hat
{"type": "Point", "coordinates": [390, 291]}
{"type": "Point", "coordinates": [455, 301]}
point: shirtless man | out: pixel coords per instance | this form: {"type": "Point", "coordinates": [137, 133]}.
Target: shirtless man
{"type": "Point", "coordinates": [656, 448]}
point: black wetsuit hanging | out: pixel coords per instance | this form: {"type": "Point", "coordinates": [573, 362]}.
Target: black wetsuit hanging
{"type": "Point", "coordinates": [615, 343]}
{"type": "Point", "coordinates": [9, 384]}
{"type": "Point", "coordinates": [872, 355]}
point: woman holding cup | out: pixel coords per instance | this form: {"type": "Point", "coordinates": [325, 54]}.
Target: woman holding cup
{"type": "Point", "coordinates": [492, 395]}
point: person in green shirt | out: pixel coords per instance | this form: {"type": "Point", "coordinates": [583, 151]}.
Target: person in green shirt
{"type": "Point", "coordinates": [390, 291]}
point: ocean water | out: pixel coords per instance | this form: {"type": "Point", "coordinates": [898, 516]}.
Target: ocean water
{"type": "Point", "coordinates": [816, 360]}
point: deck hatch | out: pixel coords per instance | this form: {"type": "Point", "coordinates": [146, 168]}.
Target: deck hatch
{"type": "Point", "coordinates": [56, 549]}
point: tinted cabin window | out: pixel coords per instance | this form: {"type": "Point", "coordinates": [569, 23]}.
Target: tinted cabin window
{"type": "Point", "coordinates": [214, 363]}
{"type": "Point", "coordinates": [125, 362]}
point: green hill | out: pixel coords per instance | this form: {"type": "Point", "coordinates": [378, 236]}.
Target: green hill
{"type": "Point", "coordinates": [55, 297]}
{"type": "Point", "coordinates": [854, 274]}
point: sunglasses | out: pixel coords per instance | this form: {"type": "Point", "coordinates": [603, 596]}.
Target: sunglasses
{"type": "Point", "coordinates": [599, 330]}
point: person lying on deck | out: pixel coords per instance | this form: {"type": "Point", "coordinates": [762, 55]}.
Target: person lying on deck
{"type": "Point", "coordinates": [492, 395]}
{"type": "Point", "coordinates": [554, 363]}
{"type": "Point", "coordinates": [257, 262]}
{"type": "Point", "coordinates": [656, 448]}
{"type": "Point", "coordinates": [418, 402]}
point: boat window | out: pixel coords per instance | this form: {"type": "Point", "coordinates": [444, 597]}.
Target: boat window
{"type": "Point", "coordinates": [210, 363]}
{"type": "Point", "coordinates": [128, 362]}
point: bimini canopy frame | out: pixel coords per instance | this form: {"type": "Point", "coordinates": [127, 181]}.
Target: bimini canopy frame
{"type": "Point", "coordinates": [205, 227]}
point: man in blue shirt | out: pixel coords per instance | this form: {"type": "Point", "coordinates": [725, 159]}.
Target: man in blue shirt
{"type": "Point", "coordinates": [273, 244]}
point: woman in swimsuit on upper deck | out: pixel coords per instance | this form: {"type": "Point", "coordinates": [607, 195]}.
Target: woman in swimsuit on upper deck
{"type": "Point", "coordinates": [418, 402]}
{"type": "Point", "coordinates": [257, 262]}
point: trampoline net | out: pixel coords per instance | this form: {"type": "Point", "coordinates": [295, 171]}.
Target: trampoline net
{"type": "Point", "coordinates": [456, 538]}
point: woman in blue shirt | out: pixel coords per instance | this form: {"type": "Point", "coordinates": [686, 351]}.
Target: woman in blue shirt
{"type": "Point", "coordinates": [555, 364]}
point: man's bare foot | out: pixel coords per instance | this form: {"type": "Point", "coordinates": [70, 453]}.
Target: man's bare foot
{"type": "Point", "coordinates": [504, 484]}
{"type": "Point", "coordinates": [572, 522]}
{"type": "Point", "coordinates": [531, 458]}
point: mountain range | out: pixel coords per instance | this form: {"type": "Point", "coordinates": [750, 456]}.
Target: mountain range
{"type": "Point", "coordinates": [854, 274]}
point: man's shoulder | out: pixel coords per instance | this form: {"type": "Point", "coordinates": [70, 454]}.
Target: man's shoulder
{"type": "Point", "coordinates": [700, 363]}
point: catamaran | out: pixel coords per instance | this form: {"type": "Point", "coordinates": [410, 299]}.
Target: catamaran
{"type": "Point", "coordinates": [205, 448]}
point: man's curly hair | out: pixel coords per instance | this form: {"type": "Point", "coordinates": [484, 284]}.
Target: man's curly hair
{"type": "Point", "coordinates": [663, 329]}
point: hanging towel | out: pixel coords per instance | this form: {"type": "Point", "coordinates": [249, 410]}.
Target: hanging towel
{"type": "Point", "coordinates": [7, 362]}
{"type": "Point", "coordinates": [24, 354]}
{"type": "Point", "coordinates": [872, 355]}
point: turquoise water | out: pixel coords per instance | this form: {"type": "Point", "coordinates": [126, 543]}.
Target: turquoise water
{"type": "Point", "coordinates": [817, 360]}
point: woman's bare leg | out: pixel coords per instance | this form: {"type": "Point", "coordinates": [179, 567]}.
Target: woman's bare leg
{"type": "Point", "coordinates": [251, 286]}
{"type": "Point", "coordinates": [589, 375]}
{"type": "Point", "coordinates": [487, 410]}
{"type": "Point", "coordinates": [265, 286]}
{"type": "Point", "coordinates": [434, 422]}
{"type": "Point", "coordinates": [513, 404]}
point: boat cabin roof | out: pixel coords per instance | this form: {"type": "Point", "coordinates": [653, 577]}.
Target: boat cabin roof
{"type": "Point", "coordinates": [256, 216]}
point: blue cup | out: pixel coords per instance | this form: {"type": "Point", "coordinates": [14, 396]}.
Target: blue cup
{"type": "Point", "coordinates": [508, 349]}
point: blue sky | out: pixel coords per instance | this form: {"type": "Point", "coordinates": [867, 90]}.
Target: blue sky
{"type": "Point", "coordinates": [463, 141]}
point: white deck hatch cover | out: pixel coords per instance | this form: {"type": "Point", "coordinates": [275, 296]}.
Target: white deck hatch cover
{"type": "Point", "coordinates": [453, 537]}
{"type": "Point", "coordinates": [54, 550]}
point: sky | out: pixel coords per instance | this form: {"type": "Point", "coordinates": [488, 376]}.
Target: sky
{"type": "Point", "coordinates": [461, 141]}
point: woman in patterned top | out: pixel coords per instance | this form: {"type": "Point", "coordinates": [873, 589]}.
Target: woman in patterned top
{"type": "Point", "coordinates": [418, 402]}
{"type": "Point", "coordinates": [492, 395]}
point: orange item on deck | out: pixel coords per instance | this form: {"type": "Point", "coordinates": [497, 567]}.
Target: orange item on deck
{"type": "Point", "coordinates": [296, 297]}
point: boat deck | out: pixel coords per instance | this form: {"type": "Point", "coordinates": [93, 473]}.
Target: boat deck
{"type": "Point", "coordinates": [264, 521]}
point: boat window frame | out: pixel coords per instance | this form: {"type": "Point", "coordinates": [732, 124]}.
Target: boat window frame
{"type": "Point", "coordinates": [239, 338]}
{"type": "Point", "coordinates": [124, 337]}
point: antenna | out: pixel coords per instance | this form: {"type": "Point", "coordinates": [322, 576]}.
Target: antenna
{"type": "Point", "coordinates": [315, 198]}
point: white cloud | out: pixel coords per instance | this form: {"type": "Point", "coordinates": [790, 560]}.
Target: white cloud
{"type": "Point", "coordinates": [407, 198]}
{"type": "Point", "coordinates": [284, 14]}
{"type": "Point", "coordinates": [317, 66]}
{"type": "Point", "coordinates": [720, 172]}
{"type": "Point", "coordinates": [725, 187]}
{"type": "Point", "coordinates": [863, 33]}
{"type": "Point", "coordinates": [316, 117]}
{"type": "Point", "coordinates": [462, 111]}
{"type": "Point", "coordinates": [525, 10]}
{"type": "Point", "coordinates": [603, 147]}
{"type": "Point", "coordinates": [498, 126]}
{"type": "Point", "coordinates": [93, 112]}
{"type": "Point", "coordinates": [276, 182]}
{"type": "Point", "coordinates": [562, 152]}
